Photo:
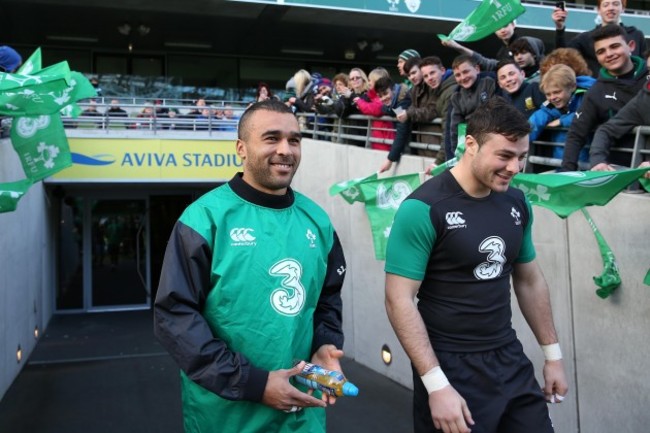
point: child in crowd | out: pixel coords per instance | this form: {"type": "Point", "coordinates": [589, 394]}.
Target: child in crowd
{"type": "Point", "coordinates": [563, 98]}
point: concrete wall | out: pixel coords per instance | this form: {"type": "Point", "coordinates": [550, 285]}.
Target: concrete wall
{"type": "Point", "coordinates": [605, 342]}
{"type": "Point", "coordinates": [26, 276]}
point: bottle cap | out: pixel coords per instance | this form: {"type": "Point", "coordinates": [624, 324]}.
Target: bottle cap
{"type": "Point", "coordinates": [350, 389]}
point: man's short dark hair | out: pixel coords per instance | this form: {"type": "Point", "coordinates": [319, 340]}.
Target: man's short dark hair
{"type": "Point", "coordinates": [464, 58]}
{"type": "Point", "coordinates": [383, 84]}
{"type": "Point", "coordinates": [431, 61]}
{"type": "Point", "coordinates": [410, 63]}
{"type": "Point", "coordinates": [497, 116]}
{"type": "Point", "coordinates": [521, 45]}
{"type": "Point", "coordinates": [607, 31]}
{"type": "Point", "coordinates": [505, 62]}
{"type": "Point", "coordinates": [267, 105]}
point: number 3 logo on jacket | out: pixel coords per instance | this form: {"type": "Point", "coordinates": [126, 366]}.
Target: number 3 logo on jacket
{"type": "Point", "coordinates": [290, 298]}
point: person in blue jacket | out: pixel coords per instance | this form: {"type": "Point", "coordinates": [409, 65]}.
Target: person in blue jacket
{"type": "Point", "coordinates": [563, 98]}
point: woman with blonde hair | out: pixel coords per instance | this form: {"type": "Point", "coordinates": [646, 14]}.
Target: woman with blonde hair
{"type": "Point", "coordinates": [371, 105]}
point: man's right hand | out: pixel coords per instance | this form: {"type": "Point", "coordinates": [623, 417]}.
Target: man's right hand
{"type": "Point", "coordinates": [449, 411]}
{"type": "Point", "coordinates": [559, 18]}
{"type": "Point", "coordinates": [280, 394]}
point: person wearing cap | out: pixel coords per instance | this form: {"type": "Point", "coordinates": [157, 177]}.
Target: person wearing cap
{"type": "Point", "coordinates": [403, 57]}
{"type": "Point", "coordinates": [10, 60]}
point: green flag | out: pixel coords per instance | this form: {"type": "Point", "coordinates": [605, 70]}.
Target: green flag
{"type": "Point", "coordinates": [31, 65]}
{"type": "Point", "coordinates": [487, 18]}
{"type": "Point", "coordinates": [564, 193]}
{"type": "Point", "coordinates": [645, 183]}
{"type": "Point", "coordinates": [11, 192]}
{"type": "Point", "coordinates": [646, 280]}
{"type": "Point", "coordinates": [350, 190]}
{"type": "Point", "coordinates": [55, 76]}
{"type": "Point", "coordinates": [460, 149]}
{"type": "Point", "coordinates": [382, 198]}
{"type": "Point", "coordinates": [29, 102]}
{"type": "Point", "coordinates": [41, 145]}
{"type": "Point", "coordinates": [609, 280]}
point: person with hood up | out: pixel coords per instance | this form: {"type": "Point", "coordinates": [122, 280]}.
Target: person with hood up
{"type": "Point", "coordinates": [507, 35]}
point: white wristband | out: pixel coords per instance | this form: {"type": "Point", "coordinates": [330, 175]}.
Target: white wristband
{"type": "Point", "coordinates": [552, 352]}
{"type": "Point", "coordinates": [434, 380]}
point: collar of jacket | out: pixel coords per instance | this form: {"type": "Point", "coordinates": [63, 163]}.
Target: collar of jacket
{"type": "Point", "coordinates": [250, 194]}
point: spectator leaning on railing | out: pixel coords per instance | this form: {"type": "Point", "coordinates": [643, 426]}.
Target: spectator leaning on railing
{"type": "Point", "coordinates": [621, 77]}
{"type": "Point", "coordinates": [395, 98]}
{"type": "Point", "coordinates": [514, 88]}
{"type": "Point", "coordinates": [423, 106]}
{"type": "Point", "coordinates": [635, 113]}
{"type": "Point", "coordinates": [563, 98]}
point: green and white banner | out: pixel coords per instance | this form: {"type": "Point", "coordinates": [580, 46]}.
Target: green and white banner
{"type": "Point", "coordinates": [34, 97]}
{"type": "Point", "coordinates": [382, 198]}
{"type": "Point", "coordinates": [11, 193]}
{"type": "Point", "coordinates": [487, 18]}
{"type": "Point", "coordinates": [567, 192]}
{"type": "Point", "coordinates": [41, 145]}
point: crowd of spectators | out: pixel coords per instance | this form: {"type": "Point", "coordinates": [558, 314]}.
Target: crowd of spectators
{"type": "Point", "coordinates": [566, 93]}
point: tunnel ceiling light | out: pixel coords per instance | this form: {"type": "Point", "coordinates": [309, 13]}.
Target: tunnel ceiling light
{"type": "Point", "coordinates": [19, 354]}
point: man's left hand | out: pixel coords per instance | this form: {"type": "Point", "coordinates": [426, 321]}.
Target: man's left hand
{"type": "Point", "coordinates": [328, 356]}
{"type": "Point", "coordinates": [555, 383]}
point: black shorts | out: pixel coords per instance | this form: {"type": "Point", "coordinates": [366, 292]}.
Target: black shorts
{"type": "Point", "coordinates": [499, 387]}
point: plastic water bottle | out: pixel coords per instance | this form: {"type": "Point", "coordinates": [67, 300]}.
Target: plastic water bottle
{"type": "Point", "coordinates": [327, 381]}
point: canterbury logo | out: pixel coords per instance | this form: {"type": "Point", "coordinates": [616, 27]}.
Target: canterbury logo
{"type": "Point", "coordinates": [455, 218]}
{"type": "Point", "coordinates": [242, 235]}
{"type": "Point", "coordinates": [612, 96]}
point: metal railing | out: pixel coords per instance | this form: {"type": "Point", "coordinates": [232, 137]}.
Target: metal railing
{"type": "Point", "coordinates": [355, 129]}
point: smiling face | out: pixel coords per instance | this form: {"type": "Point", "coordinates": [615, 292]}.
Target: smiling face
{"type": "Point", "coordinates": [495, 162]}
{"type": "Point", "coordinates": [270, 150]}
{"type": "Point", "coordinates": [466, 74]}
{"type": "Point", "coordinates": [356, 81]}
{"type": "Point", "coordinates": [610, 11]}
{"type": "Point", "coordinates": [415, 75]}
{"type": "Point", "coordinates": [558, 96]}
{"type": "Point", "coordinates": [510, 78]}
{"type": "Point", "coordinates": [432, 75]}
{"type": "Point", "coordinates": [614, 54]}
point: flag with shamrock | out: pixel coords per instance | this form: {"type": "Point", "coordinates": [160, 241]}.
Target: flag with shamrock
{"type": "Point", "coordinates": [487, 18]}
{"type": "Point", "coordinates": [609, 279]}
{"type": "Point", "coordinates": [350, 189]}
{"type": "Point", "coordinates": [41, 145]}
{"type": "Point", "coordinates": [382, 198]}
{"type": "Point", "coordinates": [11, 193]}
{"type": "Point", "coordinates": [567, 192]}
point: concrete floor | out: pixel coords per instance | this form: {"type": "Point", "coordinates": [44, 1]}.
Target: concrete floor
{"type": "Point", "coordinates": [107, 373]}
